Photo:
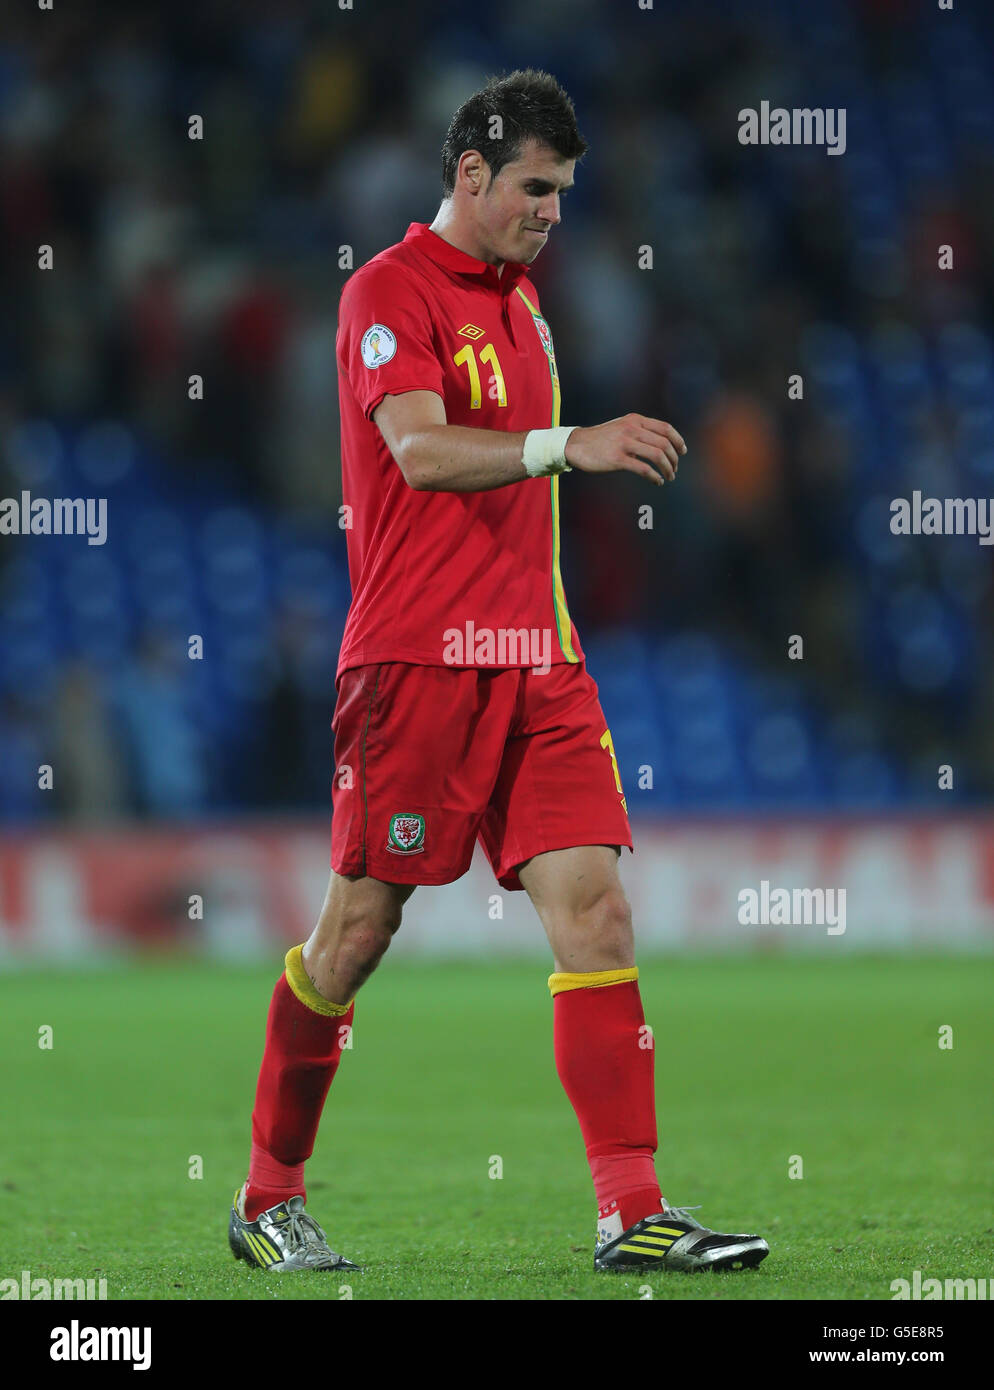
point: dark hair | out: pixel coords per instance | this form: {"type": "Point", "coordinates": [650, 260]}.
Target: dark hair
{"type": "Point", "coordinates": [531, 104]}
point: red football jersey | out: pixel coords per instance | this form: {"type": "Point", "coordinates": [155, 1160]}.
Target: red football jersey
{"type": "Point", "coordinates": [446, 578]}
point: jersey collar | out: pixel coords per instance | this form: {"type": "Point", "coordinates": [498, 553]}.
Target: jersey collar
{"type": "Point", "coordinates": [420, 236]}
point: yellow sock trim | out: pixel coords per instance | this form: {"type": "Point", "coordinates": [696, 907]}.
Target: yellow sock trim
{"type": "Point", "coordinates": [299, 981]}
{"type": "Point", "coordinates": [591, 979]}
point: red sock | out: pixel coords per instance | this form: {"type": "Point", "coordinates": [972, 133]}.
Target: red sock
{"type": "Point", "coordinates": [303, 1050]}
{"type": "Point", "coordinates": [608, 1077]}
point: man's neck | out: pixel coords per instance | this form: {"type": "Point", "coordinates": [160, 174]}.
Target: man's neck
{"type": "Point", "coordinates": [445, 228]}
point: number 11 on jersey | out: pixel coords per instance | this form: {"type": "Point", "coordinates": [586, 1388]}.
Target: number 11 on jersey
{"type": "Point", "coordinates": [467, 355]}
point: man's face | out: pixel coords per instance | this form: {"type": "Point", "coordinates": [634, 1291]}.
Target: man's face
{"type": "Point", "coordinates": [520, 206]}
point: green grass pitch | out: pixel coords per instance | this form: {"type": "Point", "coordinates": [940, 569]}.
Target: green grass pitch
{"type": "Point", "coordinates": [757, 1060]}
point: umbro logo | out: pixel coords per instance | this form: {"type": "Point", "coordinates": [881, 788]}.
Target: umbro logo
{"type": "Point", "coordinates": [470, 330]}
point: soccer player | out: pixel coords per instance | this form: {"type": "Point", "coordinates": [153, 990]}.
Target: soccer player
{"type": "Point", "coordinates": [464, 705]}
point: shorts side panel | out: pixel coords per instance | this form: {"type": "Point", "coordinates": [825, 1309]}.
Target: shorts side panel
{"type": "Point", "coordinates": [559, 785]}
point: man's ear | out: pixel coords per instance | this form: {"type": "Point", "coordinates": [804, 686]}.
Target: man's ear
{"type": "Point", "coordinates": [476, 170]}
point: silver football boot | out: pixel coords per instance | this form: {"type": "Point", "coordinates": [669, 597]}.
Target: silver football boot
{"type": "Point", "coordinates": [282, 1240]}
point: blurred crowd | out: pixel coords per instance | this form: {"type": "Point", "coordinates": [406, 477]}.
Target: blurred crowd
{"type": "Point", "coordinates": [322, 129]}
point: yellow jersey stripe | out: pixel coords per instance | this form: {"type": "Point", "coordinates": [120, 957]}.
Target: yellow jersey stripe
{"type": "Point", "coordinates": [564, 627]}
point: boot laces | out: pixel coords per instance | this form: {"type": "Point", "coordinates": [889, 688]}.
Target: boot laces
{"type": "Point", "coordinates": [302, 1233]}
{"type": "Point", "coordinates": [681, 1212]}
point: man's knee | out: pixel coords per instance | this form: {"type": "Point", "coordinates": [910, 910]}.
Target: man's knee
{"type": "Point", "coordinates": [373, 923]}
{"type": "Point", "coordinates": [595, 935]}
{"type": "Point", "coordinates": [364, 938]}
{"type": "Point", "coordinates": [338, 962]}
{"type": "Point", "coordinates": [357, 924]}
{"type": "Point", "coordinates": [609, 917]}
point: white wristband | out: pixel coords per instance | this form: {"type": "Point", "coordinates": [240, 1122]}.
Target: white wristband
{"type": "Point", "coordinates": [545, 451]}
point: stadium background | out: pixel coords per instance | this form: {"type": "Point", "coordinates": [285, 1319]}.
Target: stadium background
{"type": "Point", "coordinates": [131, 1032]}
{"type": "Point", "coordinates": [221, 257]}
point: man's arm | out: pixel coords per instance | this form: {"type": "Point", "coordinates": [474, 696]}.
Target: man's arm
{"type": "Point", "coordinates": [437, 457]}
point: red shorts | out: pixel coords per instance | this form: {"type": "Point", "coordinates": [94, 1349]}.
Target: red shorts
{"type": "Point", "coordinates": [428, 758]}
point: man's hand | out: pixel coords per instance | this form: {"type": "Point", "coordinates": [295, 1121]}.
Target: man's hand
{"type": "Point", "coordinates": [631, 443]}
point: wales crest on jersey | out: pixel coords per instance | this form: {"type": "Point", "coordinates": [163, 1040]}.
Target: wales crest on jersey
{"type": "Point", "coordinates": [545, 333]}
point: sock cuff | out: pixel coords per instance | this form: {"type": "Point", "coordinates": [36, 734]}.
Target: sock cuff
{"type": "Point", "coordinates": [590, 979]}
{"type": "Point", "coordinates": [299, 981]}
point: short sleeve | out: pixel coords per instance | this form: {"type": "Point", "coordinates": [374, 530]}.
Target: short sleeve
{"type": "Point", "coordinates": [385, 339]}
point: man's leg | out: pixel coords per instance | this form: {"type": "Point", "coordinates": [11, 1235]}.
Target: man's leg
{"type": "Point", "coordinates": [311, 1011]}
{"type": "Point", "coordinates": [603, 1049]}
